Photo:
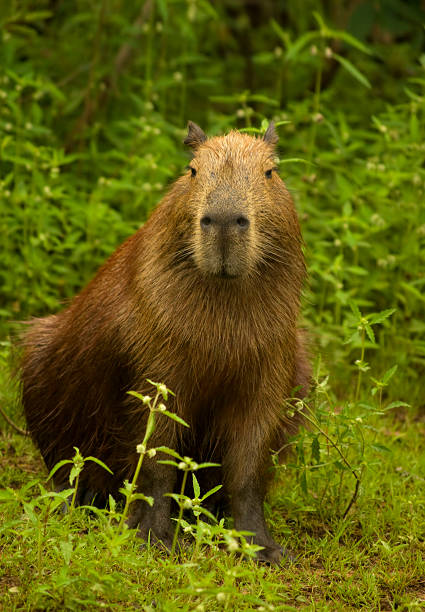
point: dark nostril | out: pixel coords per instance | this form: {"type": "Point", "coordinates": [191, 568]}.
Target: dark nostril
{"type": "Point", "coordinates": [242, 222]}
{"type": "Point", "coordinates": [205, 221]}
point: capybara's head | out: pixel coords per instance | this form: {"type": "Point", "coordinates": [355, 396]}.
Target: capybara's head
{"type": "Point", "coordinates": [240, 208]}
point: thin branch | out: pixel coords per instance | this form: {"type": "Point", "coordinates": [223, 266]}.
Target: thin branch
{"type": "Point", "coordinates": [21, 431]}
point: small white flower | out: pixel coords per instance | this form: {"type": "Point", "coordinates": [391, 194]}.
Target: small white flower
{"type": "Point", "coordinates": [232, 545]}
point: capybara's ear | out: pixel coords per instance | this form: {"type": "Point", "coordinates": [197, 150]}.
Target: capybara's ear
{"type": "Point", "coordinates": [271, 136]}
{"type": "Point", "coordinates": [195, 136]}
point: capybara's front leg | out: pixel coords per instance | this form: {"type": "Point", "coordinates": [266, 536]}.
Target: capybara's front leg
{"type": "Point", "coordinates": [154, 522]}
{"type": "Point", "coordinates": [246, 468]}
{"type": "Point", "coordinates": [248, 513]}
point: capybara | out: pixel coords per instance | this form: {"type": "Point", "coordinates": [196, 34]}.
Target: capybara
{"type": "Point", "coordinates": [204, 298]}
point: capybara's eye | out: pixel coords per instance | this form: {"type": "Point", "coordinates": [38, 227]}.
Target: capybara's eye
{"type": "Point", "coordinates": [268, 173]}
{"type": "Point", "coordinates": [193, 171]}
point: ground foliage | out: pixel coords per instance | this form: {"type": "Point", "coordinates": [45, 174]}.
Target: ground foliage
{"type": "Point", "coordinates": [94, 101]}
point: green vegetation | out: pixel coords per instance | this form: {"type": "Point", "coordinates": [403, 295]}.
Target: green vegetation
{"type": "Point", "coordinates": [94, 101]}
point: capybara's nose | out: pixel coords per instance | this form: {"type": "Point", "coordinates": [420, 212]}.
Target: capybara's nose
{"type": "Point", "coordinates": [233, 221]}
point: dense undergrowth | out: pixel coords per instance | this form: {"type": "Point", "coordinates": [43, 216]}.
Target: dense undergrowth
{"type": "Point", "coordinates": [93, 106]}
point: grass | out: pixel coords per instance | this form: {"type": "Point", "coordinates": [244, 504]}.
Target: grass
{"type": "Point", "coordinates": [372, 559]}
{"type": "Point", "coordinates": [88, 146]}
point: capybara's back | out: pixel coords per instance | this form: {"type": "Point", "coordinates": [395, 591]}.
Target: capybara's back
{"type": "Point", "coordinates": [205, 298]}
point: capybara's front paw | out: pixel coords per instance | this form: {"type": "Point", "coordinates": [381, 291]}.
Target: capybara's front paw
{"type": "Point", "coordinates": [271, 555]}
{"type": "Point", "coordinates": [275, 555]}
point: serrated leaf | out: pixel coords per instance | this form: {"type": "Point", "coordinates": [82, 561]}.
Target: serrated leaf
{"type": "Point", "coordinates": [370, 334]}
{"type": "Point", "coordinates": [196, 487]}
{"type": "Point", "coordinates": [169, 451]}
{"type": "Point", "coordinates": [389, 374]}
{"type": "Point", "coordinates": [75, 471]}
{"type": "Point", "coordinates": [175, 417]}
{"type": "Point", "coordinates": [379, 317]}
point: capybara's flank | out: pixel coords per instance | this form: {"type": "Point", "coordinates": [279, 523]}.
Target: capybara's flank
{"type": "Point", "coordinates": [205, 298]}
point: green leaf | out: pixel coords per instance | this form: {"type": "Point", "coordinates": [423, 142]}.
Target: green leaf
{"type": "Point", "coordinates": [397, 405]}
{"type": "Point", "coordinates": [355, 309]}
{"type": "Point", "coordinates": [174, 417]}
{"type": "Point", "coordinates": [389, 374]}
{"type": "Point", "coordinates": [147, 498]}
{"type": "Point", "coordinates": [351, 40]}
{"type": "Point", "coordinates": [370, 334]}
{"type": "Point", "coordinates": [379, 317]}
{"type": "Point", "coordinates": [99, 462]}
{"type": "Point", "coordinates": [58, 467]}
{"type": "Point", "coordinates": [380, 448]}
{"type": "Point", "coordinates": [211, 492]}
{"type": "Point", "coordinates": [281, 33]}
{"type": "Point", "coordinates": [169, 451]}
{"type": "Point", "coordinates": [205, 512]}
{"type": "Point", "coordinates": [196, 487]}
{"type": "Point", "coordinates": [315, 449]}
{"type": "Point", "coordinates": [136, 394]}
{"type": "Point", "coordinates": [349, 67]}
{"type": "Point", "coordinates": [7, 495]}
{"type": "Point", "coordinates": [75, 471]}
{"type": "Point", "coordinates": [299, 44]}
{"type": "Point", "coordinates": [66, 550]}
{"type": "Point", "coordinates": [303, 482]}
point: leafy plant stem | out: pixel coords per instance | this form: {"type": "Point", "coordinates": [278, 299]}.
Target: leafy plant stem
{"type": "Point", "coordinates": [314, 422]}
{"type": "Point", "coordinates": [177, 529]}
{"type": "Point", "coordinates": [149, 430]}
{"type": "Point", "coordinates": [359, 377]}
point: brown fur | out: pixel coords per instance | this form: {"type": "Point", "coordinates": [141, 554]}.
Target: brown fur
{"type": "Point", "coordinates": [207, 307]}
